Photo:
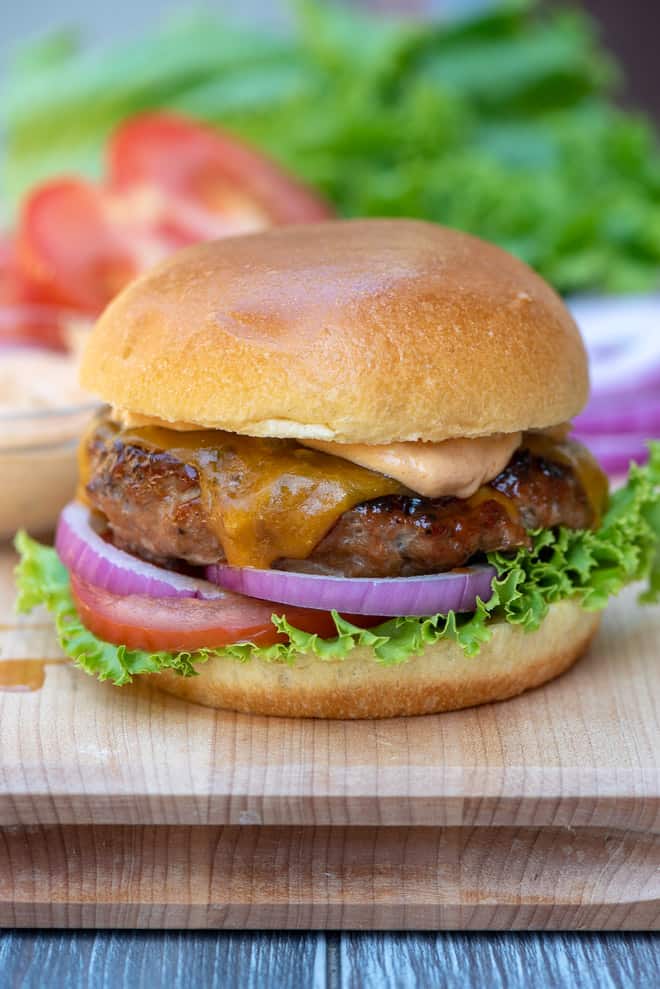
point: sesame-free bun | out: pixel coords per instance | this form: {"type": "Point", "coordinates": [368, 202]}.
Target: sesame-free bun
{"type": "Point", "coordinates": [361, 331]}
{"type": "Point", "coordinates": [442, 678]}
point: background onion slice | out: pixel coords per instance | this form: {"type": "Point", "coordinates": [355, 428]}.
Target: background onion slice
{"type": "Point", "coordinates": [97, 562]}
{"type": "Point", "coordinates": [394, 596]}
{"type": "Point", "coordinates": [615, 452]}
{"type": "Point", "coordinates": [624, 363]}
{"type": "Point", "coordinates": [639, 413]}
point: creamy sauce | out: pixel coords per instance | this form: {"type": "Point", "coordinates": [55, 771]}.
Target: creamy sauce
{"type": "Point", "coordinates": [453, 468]}
{"type": "Point", "coordinates": [37, 380]}
{"type": "Point", "coordinates": [42, 413]}
{"type": "Point", "coordinates": [456, 467]}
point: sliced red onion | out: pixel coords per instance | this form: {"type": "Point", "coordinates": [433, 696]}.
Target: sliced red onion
{"type": "Point", "coordinates": [628, 414]}
{"type": "Point", "coordinates": [428, 595]}
{"type": "Point", "coordinates": [614, 453]}
{"type": "Point", "coordinates": [622, 340]}
{"type": "Point", "coordinates": [84, 552]}
{"type": "Point", "coordinates": [624, 359]}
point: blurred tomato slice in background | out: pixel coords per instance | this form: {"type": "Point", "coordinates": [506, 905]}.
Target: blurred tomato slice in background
{"type": "Point", "coordinates": [170, 182]}
{"type": "Point", "coordinates": [15, 287]}
{"type": "Point", "coordinates": [25, 320]}
{"type": "Point", "coordinates": [6, 258]}
{"type": "Point", "coordinates": [215, 184]}
{"type": "Point", "coordinates": [32, 326]}
{"type": "Point", "coordinates": [77, 245]}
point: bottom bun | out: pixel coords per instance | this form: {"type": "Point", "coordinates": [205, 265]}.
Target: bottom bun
{"type": "Point", "coordinates": [443, 678]}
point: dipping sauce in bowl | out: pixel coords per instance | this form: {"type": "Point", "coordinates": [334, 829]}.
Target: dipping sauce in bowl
{"type": "Point", "coordinates": [43, 412]}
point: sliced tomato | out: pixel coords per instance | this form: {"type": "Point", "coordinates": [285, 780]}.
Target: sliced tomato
{"type": "Point", "coordinates": [216, 184]}
{"type": "Point", "coordinates": [171, 182]}
{"type": "Point", "coordinates": [24, 319]}
{"type": "Point", "coordinates": [78, 245]}
{"type": "Point", "coordinates": [15, 286]}
{"type": "Point", "coordinates": [6, 265]}
{"type": "Point", "coordinates": [176, 624]}
{"type": "Point", "coordinates": [32, 326]}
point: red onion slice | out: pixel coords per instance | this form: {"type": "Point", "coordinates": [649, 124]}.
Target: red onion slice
{"type": "Point", "coordinates": [394, 596]}
{"type": "Point", "coordinates": [85, 553]}
{"type": "Point", "coordinates": [622, 340]}
{"type": "Point", "coordinates": [624, 362]}
{"type": "Point", "coordinates": [628, 414]}
{"type": "Point", "coordinates": [615, 453]}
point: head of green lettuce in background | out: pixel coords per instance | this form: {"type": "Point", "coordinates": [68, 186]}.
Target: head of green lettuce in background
{"type": "Point", "coordinates": [502, 125]}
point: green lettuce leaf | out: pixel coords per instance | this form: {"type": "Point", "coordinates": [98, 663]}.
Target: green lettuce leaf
{"type": "Point", "coordinates": [502, 123]}
{"type": "Point", "coordinates": [591, 566]}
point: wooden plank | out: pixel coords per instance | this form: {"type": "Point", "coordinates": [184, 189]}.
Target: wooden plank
{"type": "Point", "coordinates": [169, 960]}
{"type": "Point", "coordinates": [329, 878]}
{"type": "Point", "coordinates": [580, 751]}
{"type": "Point", "coordinates": [506, 961]}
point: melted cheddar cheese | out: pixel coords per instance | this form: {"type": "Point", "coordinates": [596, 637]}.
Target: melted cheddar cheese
{"type": "Point", "coordinates": [269, 499]}
{"type": "Point", "coordinates": [266, 498]}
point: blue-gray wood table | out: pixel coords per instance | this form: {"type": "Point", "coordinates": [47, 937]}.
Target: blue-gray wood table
{"type": "Point", "coordinates": [109, 960]}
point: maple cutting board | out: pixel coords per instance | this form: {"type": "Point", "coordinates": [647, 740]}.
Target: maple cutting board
{"type": "Point", "coordinates": [129, 808]}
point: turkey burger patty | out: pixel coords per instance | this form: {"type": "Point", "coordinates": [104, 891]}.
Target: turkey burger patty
{"type": "Point", "coordinates": [152, 501]}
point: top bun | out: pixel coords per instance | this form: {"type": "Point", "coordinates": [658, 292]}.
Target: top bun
{"type": "Point", "coordinates": [360, 331]}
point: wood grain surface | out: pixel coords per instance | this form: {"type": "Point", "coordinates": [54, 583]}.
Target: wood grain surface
{"type": "Point", "coordinates": [174, 960]}
{"type": "Point", "coordinates": [126, 807]}
{"type": "Point", "coordinates": [329, 878]}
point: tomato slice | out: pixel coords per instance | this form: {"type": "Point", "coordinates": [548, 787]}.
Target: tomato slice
{"type": "Point", "coordinates": [80, 245]}
{"type": "Point", "coordinates": [6, 266]}
{"type": "Point", "coordinates": [176, 624]}
{"type": "Point", "coordinates": [171, 182]}
{"type": "Point", "coordinates": [32, 326]}
{"type": "Point", "coordinates": [15, 287]}
{"type": "Point", "coordinates": [24, 320]}
{"type": "Point", "coordinates": [216, 183]}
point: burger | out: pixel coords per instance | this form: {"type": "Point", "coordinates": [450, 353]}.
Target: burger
{"type": "Point", "coordinates": [334, 478]}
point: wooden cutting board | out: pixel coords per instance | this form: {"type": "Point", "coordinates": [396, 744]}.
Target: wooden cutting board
{"type": "Point", "coordinates": [124, 807]}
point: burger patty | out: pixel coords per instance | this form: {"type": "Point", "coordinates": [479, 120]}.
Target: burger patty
{"type": "Point", "coordinates": [151, 501]}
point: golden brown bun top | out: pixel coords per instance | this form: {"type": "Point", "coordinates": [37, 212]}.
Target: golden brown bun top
{"type": "Point", "coordinates": [362, 331]}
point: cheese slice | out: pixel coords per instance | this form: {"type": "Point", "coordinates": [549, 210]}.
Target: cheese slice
{"type": "Point", "coordinates": [452, 468]}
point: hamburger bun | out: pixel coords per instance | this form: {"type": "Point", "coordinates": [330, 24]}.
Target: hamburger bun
{"type": "Point", "coordinates": [442, 678]}
{"type": "Point", "coordinates": [364, 331]}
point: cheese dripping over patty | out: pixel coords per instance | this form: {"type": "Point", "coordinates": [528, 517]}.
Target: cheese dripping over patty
{"type": "Point", "coordinates": [452, 468]}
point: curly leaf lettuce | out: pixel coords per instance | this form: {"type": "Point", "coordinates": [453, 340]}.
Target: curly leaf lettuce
{"type": "Point", "coordinates": [590, 566]}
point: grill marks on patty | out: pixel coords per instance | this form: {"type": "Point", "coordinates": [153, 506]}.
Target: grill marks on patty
{"type": "Point", "coordinates": [402, 536]}
{"type": "Point", "coordinates": [152, 503]}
